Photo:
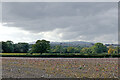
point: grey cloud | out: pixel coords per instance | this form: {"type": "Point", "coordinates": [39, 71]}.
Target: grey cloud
{"type": "Point", "coordinates": [0, 12]}
{"type": "Point", "coordinates": [73, 19]}
{"type": "Point", "coordinates": [36, 10]}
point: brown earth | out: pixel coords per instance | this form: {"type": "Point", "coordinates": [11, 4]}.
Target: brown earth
{"type": "Point", "coordinates": [59, 67]}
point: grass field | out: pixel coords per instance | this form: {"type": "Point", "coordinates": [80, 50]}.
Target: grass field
{"type": "Point", "coordinates": [13, 53]}
{"type": "Point", "coordinates": [60, 55]}
{"type": "Point", "coordinates": [51, 54]}
{"type": "Point", "coordinates": [59, 67]}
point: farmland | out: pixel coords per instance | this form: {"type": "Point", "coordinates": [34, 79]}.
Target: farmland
{"type": "Point", "coordinates": [16, 67]}
{"type": "Point", "coordinates": [60, 55]}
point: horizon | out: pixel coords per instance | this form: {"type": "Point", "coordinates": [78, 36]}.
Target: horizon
{"type": "Point", "coordinates": [33, 42]}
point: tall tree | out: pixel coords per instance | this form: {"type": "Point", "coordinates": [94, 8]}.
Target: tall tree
{"type": "Point", "coordinates": [99, 48]}
{"type": "Point", "coordinates": [7, 47]}
{"type": "Point", "coordinates": [41, 46]}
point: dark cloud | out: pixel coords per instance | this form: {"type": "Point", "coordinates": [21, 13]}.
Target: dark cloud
{"type": "Point", "coordinates": [75, 20]}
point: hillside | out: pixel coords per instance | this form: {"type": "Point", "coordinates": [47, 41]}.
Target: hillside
{"type": "Point", "coordinates": [74, 43]}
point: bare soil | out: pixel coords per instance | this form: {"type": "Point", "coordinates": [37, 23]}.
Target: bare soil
{"type": "Point", "coordinates": [13, 67]}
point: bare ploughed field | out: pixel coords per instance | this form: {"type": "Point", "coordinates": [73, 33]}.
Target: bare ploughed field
{"type": "Point", "coordinates": [59, 67]}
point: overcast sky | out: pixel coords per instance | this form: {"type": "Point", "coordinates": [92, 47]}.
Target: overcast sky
{"type": "Point", "coordinates": [59, 21]}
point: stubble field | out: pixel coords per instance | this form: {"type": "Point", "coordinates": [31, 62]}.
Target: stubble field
{"type": "Point", "coordinates": [59, 67]}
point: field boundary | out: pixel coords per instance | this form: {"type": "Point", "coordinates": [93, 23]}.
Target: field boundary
{"type": "Point", "coordinates": [63, 56]}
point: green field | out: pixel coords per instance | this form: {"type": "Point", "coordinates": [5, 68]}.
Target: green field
{"type": "Point", "coordinates": [13, 53]}
{"type": "Point", "coordinates": [101, 55]}
{"type": "Point", "coordinates": [50, 54]}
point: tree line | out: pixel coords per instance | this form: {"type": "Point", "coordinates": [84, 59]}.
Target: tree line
{"type": "Point", "coordinates": [10, 47]}
{"type": "Point", "coordinates": [43, 46]}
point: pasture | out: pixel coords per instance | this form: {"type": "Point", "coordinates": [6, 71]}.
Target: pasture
{"type": "Point", "coordinates": [60, 55]}
{"type": "Point", "coordinates": [15, 67]}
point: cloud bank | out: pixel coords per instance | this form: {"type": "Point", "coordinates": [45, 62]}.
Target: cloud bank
{"type": "Point", "coordinates": [60, 21]}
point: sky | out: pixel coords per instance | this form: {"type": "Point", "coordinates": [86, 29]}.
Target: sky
{"type": "Point", "coordinates": [59, 21]}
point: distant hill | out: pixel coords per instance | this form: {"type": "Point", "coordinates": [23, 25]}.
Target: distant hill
{"type": "Point", "coordinates": [72, 43]}
{"type": "Point", "coordinates": [77, 44]}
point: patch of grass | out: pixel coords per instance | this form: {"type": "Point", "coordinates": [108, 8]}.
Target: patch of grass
{"type": "Point", "coordinates": [13, 53]}
{"type": "Point", "coordinates": [87, 55]}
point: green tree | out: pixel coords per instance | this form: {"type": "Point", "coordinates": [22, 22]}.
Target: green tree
{"type": "Point", "coordinates": [0, 47]}
{"type": "Point", "coordinates": [77, 49]}
{"type": "Point", "coordinates": [86, 50]}
{"type": "Point", "coordinates": [7, 47]}
{"type": "Point", "coordinates": [118, 49]}
{"type": "Point", "coordinates": [57, 49]}
{"type": "Point", "coordinates": [70, 50]}
{"type": "Point", "coordinates": [99, 48]}
{"type": "Point", "coordinates": [41, 46]}
{"type": "Point", "coordinates": [21, 48]}
{"type": "Point", "coordinates": [65, 50]}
